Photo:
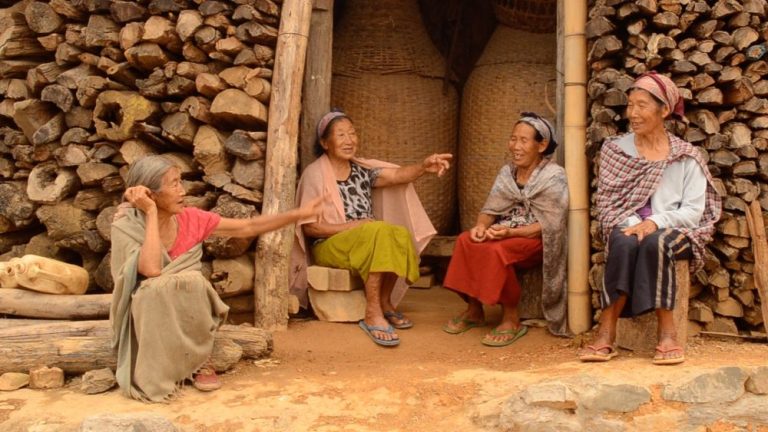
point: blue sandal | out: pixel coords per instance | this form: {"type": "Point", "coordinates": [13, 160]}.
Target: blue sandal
{"type": "Point", "coordinates": [394, 316]}
{"type": "Point", "coordinates": [369, 329]}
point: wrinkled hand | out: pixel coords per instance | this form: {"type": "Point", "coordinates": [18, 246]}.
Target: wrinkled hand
{"type": "Point", "coordinates": [141, 198]}
{"type": "Point", "coordinates": [438, 163]}
{"type": "Point", "coordinates": [641, 230]}
{"type": "Point", "coordinates": [312, 208]}
{"type": "Point", "coordinates": [497, 232]}
{"type": "Point", "coordinates": [478, 234]}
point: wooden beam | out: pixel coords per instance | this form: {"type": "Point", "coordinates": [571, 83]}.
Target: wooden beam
{"type": "Point", "coordinates": [274, 248]}
{"type": "Point", "coordinates": [317, 80]}
{"type": "Point", "coordinates": [326, 5]}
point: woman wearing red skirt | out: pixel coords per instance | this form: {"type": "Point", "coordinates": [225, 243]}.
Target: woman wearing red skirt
{"type": "Point", "coordinates": [522, 224]}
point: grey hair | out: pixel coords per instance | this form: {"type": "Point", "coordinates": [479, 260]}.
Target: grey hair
{"type": "Point", "coordinates": [148, 171]}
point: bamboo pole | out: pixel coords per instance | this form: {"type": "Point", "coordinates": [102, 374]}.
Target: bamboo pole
{"type": "Point", "coordinates": [274, 248]}
{"type": "Point", "coordinates": [317, 77]}
{"type": "Point", "coordinates": [560, 86]}
{"type": "Point", "coordinates": [575, 124]}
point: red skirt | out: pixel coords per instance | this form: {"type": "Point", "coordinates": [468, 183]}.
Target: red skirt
{"type": "Point", "coordinates": [486, 271]}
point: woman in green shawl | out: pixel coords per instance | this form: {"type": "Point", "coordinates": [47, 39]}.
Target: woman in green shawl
{"type": "Point", "coordinates": [164, 312]}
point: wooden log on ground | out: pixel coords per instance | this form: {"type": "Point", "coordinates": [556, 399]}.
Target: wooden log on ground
{"type": "Point", "coordinates": [77, 347]}
{"type": "Point", "coordinates": [32, 304]}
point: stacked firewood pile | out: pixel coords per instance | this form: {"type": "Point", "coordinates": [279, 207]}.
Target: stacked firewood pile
{"type": "Point", "coordinates": [89, 86]}
{"type": "Point", "coordinates": [713, 50]}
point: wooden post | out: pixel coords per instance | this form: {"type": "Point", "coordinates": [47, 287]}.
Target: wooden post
{"type": "Point", "coordinates": [274, 248]}
{"type": "Point", "coordinates": [317, 77]}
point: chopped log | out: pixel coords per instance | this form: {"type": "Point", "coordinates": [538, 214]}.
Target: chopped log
{"type": "Point", "coordinates": [17, 211]}
{"type": "Point", "coordinates": [58, 95]}
{"type": "Point", "coordinates": [744, 37]}
{"type": "Point", "coordinates": [117, 112]}
{"type": "Point", "coordinates": [210, 85]}
{"type": "Point", "coordinates": [41, 18]}
{"type": "Point", "coordinates": [127, 11]}
{"type": "Point", "coordinates": [79, 117]}
{"type": "Point", "coordinates": [65, 8]}
{"type": "Point", "coordinates": [248, 146]}
{"type": "Point", "coordinates": [77, 347]}
{"type": "Point", "coordinates": [92, 173]}
{"type": "Point", "coordinates": [198, 108]}
{"type": "Point", "coordinates": [16, 39]}
{"type": "Point", "coordinates": [253, 32]}
{"type": "Point", "coordinates": [41, 75]}
{"type": "Point", "coordinates": [95, 199]}
{"type": "Point", "coordinates": [104, 222]}
{"type": "Point", "coordinates": [223, 247]}
{"type": "Point", "coordinates": [206, 37]}
{"type": "Point", "coordinates": [17, 89]}
{"type": "Point", "coordinates": [101, 31]}
{"type": "Point", "coordinates": [238, 110]}
{"type": "Point", "coordinates": [146, 56]}
{"type": "Point", "coordinates": [74, 136]}
{"type": "Point", "coordinates": [194, 54]}
{"type": "Point", "coordinates": [191, 70]}
{"type": "Point", "coordinates": [132, 150]}
{"type": "Point", "coordinates": [235, 76]}
{"type": "Point", "coordinates": [39, 121]}
{"type": "Point", "coordinates": [159, 30]}
{"type": "Point", "coordinates": [24, 303]}
{"type": "Point", "coordinates": [249, 174]}
{"type": "Point", "coordinates": [209, 151]}
{"type": "Point", "coordinates": [233, 277]}
{"type": "Point", "coordinates": [706, 120]}
{"type": "Point", "coordinates": [710, 96]}
{"type": "Point", "coordinates": [179, 128]}
{"type": "Point", "coordinates": [66, 54]}
{"type": "Point", "coordinates": [71, 78]}
{"type": "Point", "coordinates": [188, 23]}
{"type": "Point", "coordinates": [51, 42]}
{"type": "Point", "coordinates": [131, 34]}
{"type": "Point", "coordinates": [258, 88]}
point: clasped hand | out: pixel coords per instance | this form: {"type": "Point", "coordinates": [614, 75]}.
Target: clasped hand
{"type": "Point", "coordinates": [479, 233]}
{"type": "Point", "coordinates": [641, 230]}
{"type": "Point", "coordinates": [438, 163]}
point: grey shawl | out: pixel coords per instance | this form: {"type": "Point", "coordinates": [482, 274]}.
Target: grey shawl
{"type": "Point", "coordinates": [163, 327]}
{"type": "Point", "coordinates": [546, 195]}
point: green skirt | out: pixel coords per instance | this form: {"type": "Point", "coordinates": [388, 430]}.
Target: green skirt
{"type": "Point", "coordinates": [370, 248]}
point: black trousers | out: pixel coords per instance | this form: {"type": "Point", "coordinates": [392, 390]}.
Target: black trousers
{"type": "Point", "coordinates": [643, 271]}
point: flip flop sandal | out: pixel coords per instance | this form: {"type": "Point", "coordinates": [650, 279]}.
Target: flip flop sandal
{"type": "Point", "coordinates": [515, 333]}
{"type": "Point", "coordinates": [383, 342]}
{"type": "Point", "coordinates": [659, 358]}
{"type": "Point", "coordinates": [467, 325]}
{"type": "Point", "coordinates": [394, 316]}
{"type": "Point", "coordinates": [206, 379]}
{"type": "Point", "coordinates": [596, 356]}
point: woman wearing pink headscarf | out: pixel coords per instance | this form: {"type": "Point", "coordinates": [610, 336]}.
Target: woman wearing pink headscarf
{"type": "Point", "coordinates": [656, 203]}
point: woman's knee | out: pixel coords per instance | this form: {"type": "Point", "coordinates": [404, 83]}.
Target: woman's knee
{"type": "Point", "coordinates": [622, 244]}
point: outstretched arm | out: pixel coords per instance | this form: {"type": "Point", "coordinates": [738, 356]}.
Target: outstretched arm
{"type": "Point", "coordinates": [436, 163]}
{"type": "Point", "coordinates": [252, 227]}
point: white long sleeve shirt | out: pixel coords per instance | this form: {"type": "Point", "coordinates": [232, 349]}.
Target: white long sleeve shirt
{"type": "Point", "coordinates": [679, 200]}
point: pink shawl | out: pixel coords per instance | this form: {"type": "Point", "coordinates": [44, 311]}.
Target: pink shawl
{"type": "Point", "coordinates": [399, 205]}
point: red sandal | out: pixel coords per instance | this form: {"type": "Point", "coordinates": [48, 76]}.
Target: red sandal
{"type": "Point", "coordinates": [206, 379]}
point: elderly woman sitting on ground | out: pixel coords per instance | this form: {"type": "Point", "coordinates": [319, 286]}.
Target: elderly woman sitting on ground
{"type": "Point", "coordinates": [656, 204]}
{"type": "Point", "coordinates": [350, 233]}
{"type": "Point", "coordinates": [164, 312]}
{"type": "Point", "coordinates": [522, 223]}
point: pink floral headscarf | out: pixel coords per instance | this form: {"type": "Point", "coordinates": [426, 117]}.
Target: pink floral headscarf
{"type": "Point", "coordinates": [663, 89]}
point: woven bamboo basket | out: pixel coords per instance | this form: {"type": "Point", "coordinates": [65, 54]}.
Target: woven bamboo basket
{"type": "Point", "coordinates": [513, 75]}
{"type": "Point", "coordinates": [535, 16]}
{"type": "Point", "coordinates": [387, 76]}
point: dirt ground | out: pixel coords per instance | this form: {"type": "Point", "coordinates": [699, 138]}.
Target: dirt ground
{"type": "Point", "coordinates": [331, 377]}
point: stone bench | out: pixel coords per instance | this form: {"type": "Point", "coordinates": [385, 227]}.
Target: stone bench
{"type": "Point", "coordinates": [640, 333]}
